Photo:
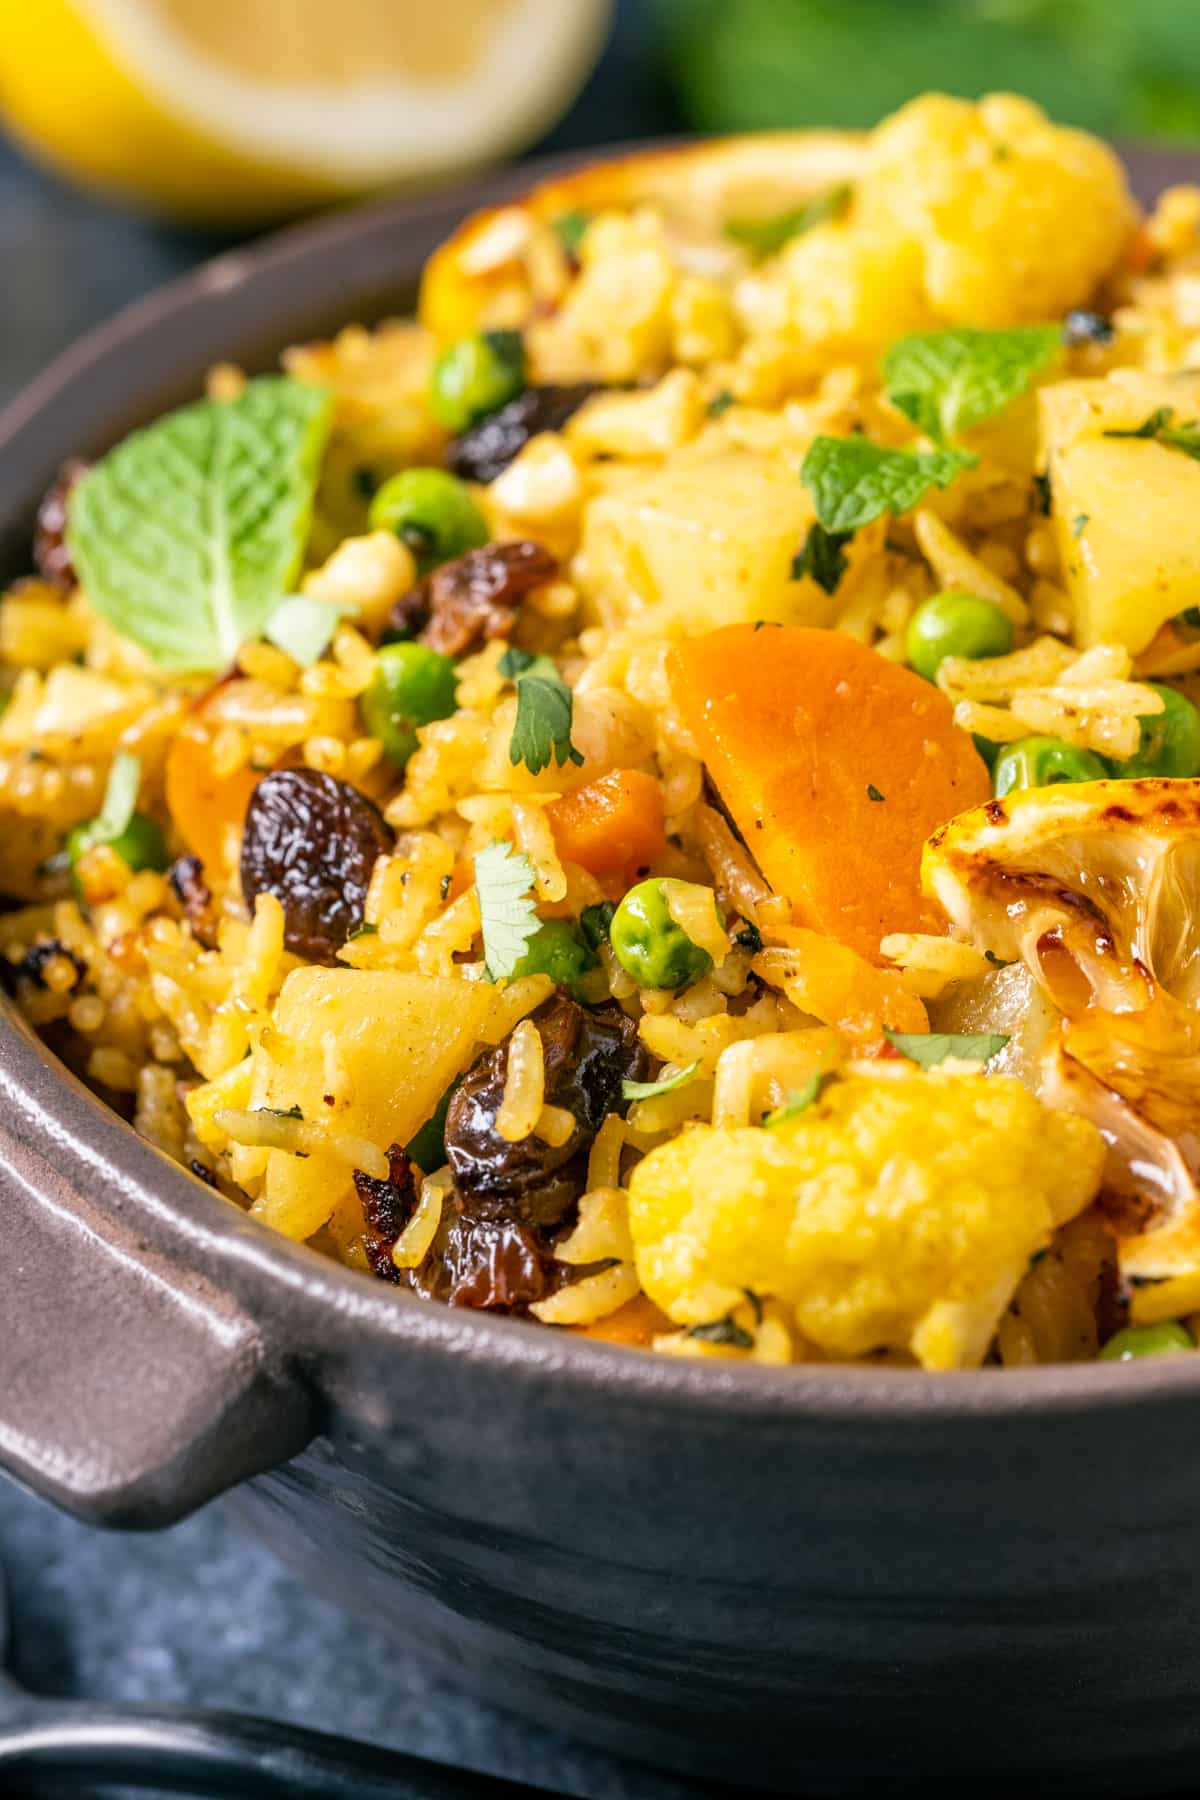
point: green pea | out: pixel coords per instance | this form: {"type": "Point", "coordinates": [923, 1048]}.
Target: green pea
{"type": "Point", "coordinates": [557, 950]}
{"type": "Point", "coordinates": [140, 846]}
{"type": "Point", "coordinates": [476, 376]}
{"type": "Point", "coordinates": [1035, 762]}
{"type": "Point", "coordinates": [412, 685]}
{"type": "Point", "coordinates": [1170, 740]}
{"type": "Point", "coordinates": [650, 946]}
{"type": "Point", "coordinates": [432, 512]}
{"type": "Point", "coordinates": [955, 624]}
{"type": "Point", "coordinates": [1148, 1340]}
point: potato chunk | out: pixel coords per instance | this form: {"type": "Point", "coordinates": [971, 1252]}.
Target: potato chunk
{"type": "Point", "coordinates": [1122, 506]}
{"type": "Point", "coordinates": [898, 1212]}
{"type": "Point", "coordinates": [704, 543]}
{"type": "Point", "coordinates": [368, 1053]}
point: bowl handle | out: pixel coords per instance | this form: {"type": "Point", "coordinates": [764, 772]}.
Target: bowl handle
{"type": "Point", "coordinates": [132, 1389]}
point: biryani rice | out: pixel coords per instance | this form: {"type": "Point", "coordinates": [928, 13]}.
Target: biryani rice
{"type": "Point", "coordinates": [736, 367]}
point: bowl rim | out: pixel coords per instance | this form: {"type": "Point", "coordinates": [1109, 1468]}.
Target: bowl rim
{"type": "Point", "coordinates": [303, 1288]}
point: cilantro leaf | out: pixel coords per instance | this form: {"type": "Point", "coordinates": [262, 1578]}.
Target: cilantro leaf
{"type": "Point", "coordinates": [649, 1090]}
{"type": "Point", "coordinates": [854, 481]}
{"type": "Point", "coordinates": [947, 381]}
{"type": "Point", "coordinates": [928, 1048]}
{"type": "Point", "coordinates": [188, 534]}
{"type": "Point", "coordinates": [798, 1101]}
{"type": "Point", "coordinates": [507, 913]}
{"type": "Point", "coordinates": [303, 627]}
{"type": "Point", "coordinates": [1161, 430]}
{"type": "Point", "coordinates": [719, 404]}
{"type": "Point", "coordinates": [118, 806]}
{"type": "Point", "coordinates": [545, 710]}
{"type": "Point", "coordinates": [822, 557]}
{"type": "Point", "coordinates": [763, 237]}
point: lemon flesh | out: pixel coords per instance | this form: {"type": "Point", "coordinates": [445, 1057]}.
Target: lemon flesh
{"type": "Point", "coordinates": [216, 111]}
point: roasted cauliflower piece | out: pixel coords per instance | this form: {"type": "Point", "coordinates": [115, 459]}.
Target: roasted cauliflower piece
{"type": "Point", "coordinates": [1017, 218]}
{"type": "Point", "coordinates": [898, 1212]}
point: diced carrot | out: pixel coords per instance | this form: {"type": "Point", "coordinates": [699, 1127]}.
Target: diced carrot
{"type": "Point", "coordinates": [636, 1323]}
{"type": "Point", "coordinates": [203, 803]}
{"type": "Point", "coordinates": [462, 876]}
{"type": "Point", "coordinates": [612, 826]}
{"type": "Point", "coordinates": [835, 764]}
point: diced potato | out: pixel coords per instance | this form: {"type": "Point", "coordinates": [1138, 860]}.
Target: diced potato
{"type": "Point", "coordinates": [898, 1211]}
{"type": "Point", "coordinates": [1122, 506]}
{"type": "Point", "coordinates": [705, 543]}
{"type": "Point", "coordinates": [369, 1053]}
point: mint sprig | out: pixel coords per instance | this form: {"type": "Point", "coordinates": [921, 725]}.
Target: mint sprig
{"type": "Point", "coordinates": [948, 381]}
{"type": "Point", "coordinates": [853, 481]}
{"type": "Point", "coordinates": [188, 534]}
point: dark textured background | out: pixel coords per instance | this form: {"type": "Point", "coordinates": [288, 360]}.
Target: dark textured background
{"type": "Point", "coordinates": [199, 1614]}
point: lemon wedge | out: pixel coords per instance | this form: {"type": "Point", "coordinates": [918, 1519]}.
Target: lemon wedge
{"type": "Point", "coordinates": [1095, 888]}
{"type": "Point", "coordinates": [219, 110]}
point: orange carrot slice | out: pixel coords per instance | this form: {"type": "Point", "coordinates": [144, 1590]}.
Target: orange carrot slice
{"type": "Point", "coordinates": [612, 826]}
{"type": "Point", "coordinates": [203, 803]}
{"type": "Point", "coordinates": [835, 764]}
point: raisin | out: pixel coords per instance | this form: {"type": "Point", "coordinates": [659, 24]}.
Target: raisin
{"type": "Point", "coordinates": [1082, 326]}
{"type": "Point", "coordinates": [312, 841]}
{"type": "Point", "coordinates": [473, 598]}
{"type": "Point", "coordinates": [193, 893]}
{"type": "Point", "coordinates": [50, 551]}
{"type": "Point", "coordinates": [202, 1172]}
{"type": "Point", "coordinates": [32, 965]}
{"type": "Point", "coordinates": [486, 450]}
{"type": "Point", "coordinates": [586, 1055]}
{"type": "Point", "coordinates": [387, 1208]}
{"type": "Point", "coordinates": [493, 1263]}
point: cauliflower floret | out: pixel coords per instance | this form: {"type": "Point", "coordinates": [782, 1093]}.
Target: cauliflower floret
{"type": "Point", "coordinates": [1018, 219]}
{"type": "Point", "coordinates": [898, 1211]}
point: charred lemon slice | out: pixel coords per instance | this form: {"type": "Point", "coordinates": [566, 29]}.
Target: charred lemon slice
{"type": "Point", "coordinates": [1094, 888]}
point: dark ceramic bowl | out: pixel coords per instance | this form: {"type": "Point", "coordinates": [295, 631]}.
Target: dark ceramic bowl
{"type": "Point", "coordinates": [799, 1578]}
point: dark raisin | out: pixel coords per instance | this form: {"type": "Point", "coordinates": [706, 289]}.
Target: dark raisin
{"type": "Point", "coordinates": [486, 450]}
{"type": "Point", "coordinates": [312, 841]}
{"type": "Point", "coordinates": [32, 965]}
{"type": "Point", "coordinates": [50, 552]}
{"type": "Point", "coordinates": [193, 893]}
{"type": "Point", "coordinates": [492, 1263]}
{"type": "Point", "coordinates": [1082, 326]}
{"type": "Point", "coordinates": [387, 1208]}
{"type": "Point", "coordinates": [586, 1054]}
{"type": "Point", "coordinates": [473, 598]}
{"type": "Point", "coordinates": [202, 1172]}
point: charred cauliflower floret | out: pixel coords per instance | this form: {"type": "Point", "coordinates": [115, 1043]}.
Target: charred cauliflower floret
{"type": "Point", "coordinates": [899, 1211]}
{"type": "Point", "coordinates": [1018, 219]}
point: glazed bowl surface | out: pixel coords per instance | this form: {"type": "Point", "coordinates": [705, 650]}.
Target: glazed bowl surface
{"type": "Point", "coordinates": [800, 1579]}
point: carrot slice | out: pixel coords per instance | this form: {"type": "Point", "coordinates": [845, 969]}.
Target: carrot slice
{"type": "Point", "coordinates": [636, 1323]}
{"type": "Point", "coordinates": [203, 803]}
{"type": "Point", "coordinates": [835, 764]}
{"type": "Point", "coordinates": [612, 826]}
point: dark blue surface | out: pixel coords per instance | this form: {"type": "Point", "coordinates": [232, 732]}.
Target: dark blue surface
{"type": "Point", "coordinates": [199, 1614]}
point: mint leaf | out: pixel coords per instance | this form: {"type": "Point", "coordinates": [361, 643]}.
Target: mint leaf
{"type": "Point", "coordinates": [928, 1048]}
{"type": "Point", "coordinates": [118, 806]}
{"type": "Point", "coordinates": [545, 710]}
{"type": "Point", "coordinates": [188, 534]}
{"type": "Point", "coordinates": [947, 381]}
{"type": "Point", "coordinates": [303, 627]}
{"type": "Point", "coordinates": [765, 236]}
{"type": "Point", "coordinates": [853, 481]}
{"type": "Point", "coordinates": [822, 557]}
{"type": "Point", "coordinates": [648, 1090]}
{"type": "Point", "coordinates": [1160, 429]}
{"type": "Point", "coordinates": [507, 913]}
{"type": "Point", "coordinates": [798, 1101]}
